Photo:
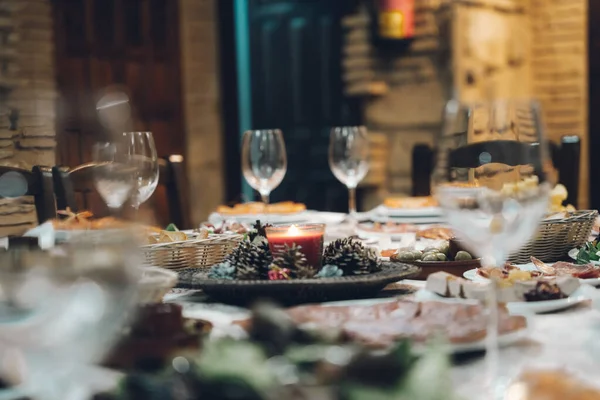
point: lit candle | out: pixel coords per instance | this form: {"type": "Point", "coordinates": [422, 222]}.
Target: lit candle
{"type": "Point", "coordinates": [309, 237]}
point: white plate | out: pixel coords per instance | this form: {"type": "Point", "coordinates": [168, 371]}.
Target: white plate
{"type": "Point", "coordinates": [408, 220]}
{"type": "Point", "coordinates": [522, 307]}
{"type": "Point", "coordinates": [280, 219]}
{"type": "Point", "coordinates": [408, 212]}
{"type": "Point", "coordinates": [368, 234]}
{"type": "Point", "coordinates": [472, 275]}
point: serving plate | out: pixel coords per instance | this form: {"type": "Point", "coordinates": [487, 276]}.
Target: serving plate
{"type": "Point", "coordinates": [296, 291]}
{"type": "Point", "coordinates": [272, 218]}
{"type": "Point", "coordinates": [522, 307]}
{"type": "Point", "coordinates": [504, 340]}
{"type": "Point", "coordinates": [472, 275]}
{"type": "Point", "coordinates": [409, 212]}
{"type": "Point", "coordinates": [457, 268]}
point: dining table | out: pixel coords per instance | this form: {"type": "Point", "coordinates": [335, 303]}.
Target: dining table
{"type": "Point", "coordinates": [566, 340]}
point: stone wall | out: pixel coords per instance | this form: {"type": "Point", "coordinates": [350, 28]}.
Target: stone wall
{"type": "Point", "coordinates": [200, 84]}
{"type": "Point", "coordinates": [27, 99]}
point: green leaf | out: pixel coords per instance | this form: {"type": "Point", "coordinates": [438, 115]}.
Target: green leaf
{"type": "Point", "coordinates": [171, 228]}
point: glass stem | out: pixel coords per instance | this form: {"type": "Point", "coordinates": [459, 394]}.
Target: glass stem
{"type": "Point", "coordinates": [492, 348]}
{"type": "Point", "coordinates": [352, 201]}
{"type": "Point", "coordinates": [264, 198]}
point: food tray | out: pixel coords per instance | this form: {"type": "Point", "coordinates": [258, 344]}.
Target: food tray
{"type": "Point", "coordinates": [194, 253]}
{"type": "Point", "coordinates": [555, 238]}
{"type": "Point", "coordinates": [298, 291]}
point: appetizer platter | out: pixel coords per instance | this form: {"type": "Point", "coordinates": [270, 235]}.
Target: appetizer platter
{"type": "Point", "coordinates": [520, 295]}
{"type": "Point", "coordinates": [444, 255]}
{"type": "Point", "coordinates": [280, 213]}
{"type": "Point", "coordinates": [393, 230]}
{"type": "Point", "coordinates": [418, 210]}
{"type": "Point", "coordinates": [379, 324]}
{"type": "Point", "coordinates": [587, 273]}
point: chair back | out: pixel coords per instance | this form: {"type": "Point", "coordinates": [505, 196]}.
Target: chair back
{"type": "Point", "coordinates": [171, 175]}
{"type": "Point", "coordinates": [422, 168]}
{"type": "Point", "coordinates": [36, 182]}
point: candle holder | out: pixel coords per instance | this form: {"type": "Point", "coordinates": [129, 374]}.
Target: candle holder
{"type": "Point", "coordinates": [310, 237]}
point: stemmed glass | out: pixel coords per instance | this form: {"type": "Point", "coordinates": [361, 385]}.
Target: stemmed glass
{"type": "Point", "coordinates": [349, 158]}
{"type": "Point", "coordinates": [61, 311]}
{"type": "Point", "coordinates": [264, 160]}
{"type": "Point", "coordinates": [142, 154]}
{"type": "Point", "coordinates": [113, 174]}
{"type": "Point", "coordinates": [492, 181]}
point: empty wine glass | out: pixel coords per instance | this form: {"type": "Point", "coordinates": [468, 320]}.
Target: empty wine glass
{"type": "Point", "coordinates": [348, 158]}
{"type": "Point", "coordinates": [144, 160]}
{"type": "Point", "coordinates": [264, 160]}
{"type": "Point", "coordinates": [113, 174]}
{"type": "Point", "coordinates": [492, 181]}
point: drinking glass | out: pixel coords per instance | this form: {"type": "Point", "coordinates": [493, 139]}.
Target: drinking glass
{"type": "Point", "coordinates": [60, 311]}
{"type": "Point", "coordinates": [348, 158]}
{"type": "Point", "coordinates": [144, 160]}
{"type": "Point", "coordinates": [492, 182]}
{"type": "Point", "coordinates": [113, 174]}
{"type": "Point", "coordinates": [264, 160]}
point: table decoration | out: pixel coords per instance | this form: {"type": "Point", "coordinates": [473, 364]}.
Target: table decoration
{"type": "Point", "coordinates": [251, 271]}
{"type": "Point", "coordinates": [309, 238]}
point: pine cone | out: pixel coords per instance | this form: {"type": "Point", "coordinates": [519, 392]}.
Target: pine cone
{"type": "Point", "coordinates": [293, 258]}
{"type": "Point", "coordinates": [252, 260]}
{"type": "Point", "coordinates": [351, 256]}
{"type": "Point", "coordinates": [258, 230]}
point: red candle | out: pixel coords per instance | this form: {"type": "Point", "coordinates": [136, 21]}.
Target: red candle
{"type": "Point", "coordinates": [309, 237]}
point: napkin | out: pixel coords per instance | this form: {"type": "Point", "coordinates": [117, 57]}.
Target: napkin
{"type": "Point", "coordinates": [45, 234]}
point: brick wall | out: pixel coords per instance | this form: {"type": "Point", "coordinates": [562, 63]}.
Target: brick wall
{"type": "Point", "coordinates": [559, 57]}
{"type": "Point", "coordinates": [200, 83]}
{"type": "Point", "coordinates": [28, 93]}
{"type": "Point", "coordinates": [472, 49]}
{"type": "Point", "coordinates": [405, 92]}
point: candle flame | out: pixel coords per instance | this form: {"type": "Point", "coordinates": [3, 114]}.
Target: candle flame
{"type": "Point", "coordinates": [293, 230]}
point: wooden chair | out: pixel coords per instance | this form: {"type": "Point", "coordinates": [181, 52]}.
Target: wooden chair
{"type": "Point", "coordinates": [171, 175]}
{"type": "Point", "coordinates": [37, 182]}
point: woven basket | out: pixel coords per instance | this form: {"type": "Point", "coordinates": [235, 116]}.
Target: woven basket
{"type": "Point", "coordinates": [555, 238]}
{"type": "Point", "coordinates": [195, 253]}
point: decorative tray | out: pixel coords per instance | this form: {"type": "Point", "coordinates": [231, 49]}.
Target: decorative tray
{"type": "Point", "coordinates": [297, 291]}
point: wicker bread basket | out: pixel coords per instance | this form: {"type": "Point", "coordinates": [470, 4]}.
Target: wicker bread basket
{"type": "Point", "coordinates": [195, 253]}
{"type": "Point", "coordinates": [555, 238]}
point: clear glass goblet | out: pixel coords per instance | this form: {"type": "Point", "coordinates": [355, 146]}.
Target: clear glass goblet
{"type": "Point", "coordinates": [143, 158]}
{"type": "Point", "coordinates": [264, 160]}
{"type": "Point", "coordinates": [492, 182]}
{"type": "Point", "coordinates": [349, 158]}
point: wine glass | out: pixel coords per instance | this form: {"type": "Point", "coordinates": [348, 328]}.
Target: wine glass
{"type": "Point", "coordinates": [348, 158]}
{"type": "Point", "coordinates": [61, 311]}
{"type": "Point", "coordinates": [492, 182]}
{"type": "Point", "coordinates": [264, 160]}
{"type": "Point", "coordinates": [144, 160]}
{"type": "Point", "coordinates": [113, 174]}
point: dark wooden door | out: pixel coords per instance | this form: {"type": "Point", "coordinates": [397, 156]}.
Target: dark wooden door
{"type": "Point", "coordinates": [125, 45]}
{"type": "Point", "coordinates": [296, 85]}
